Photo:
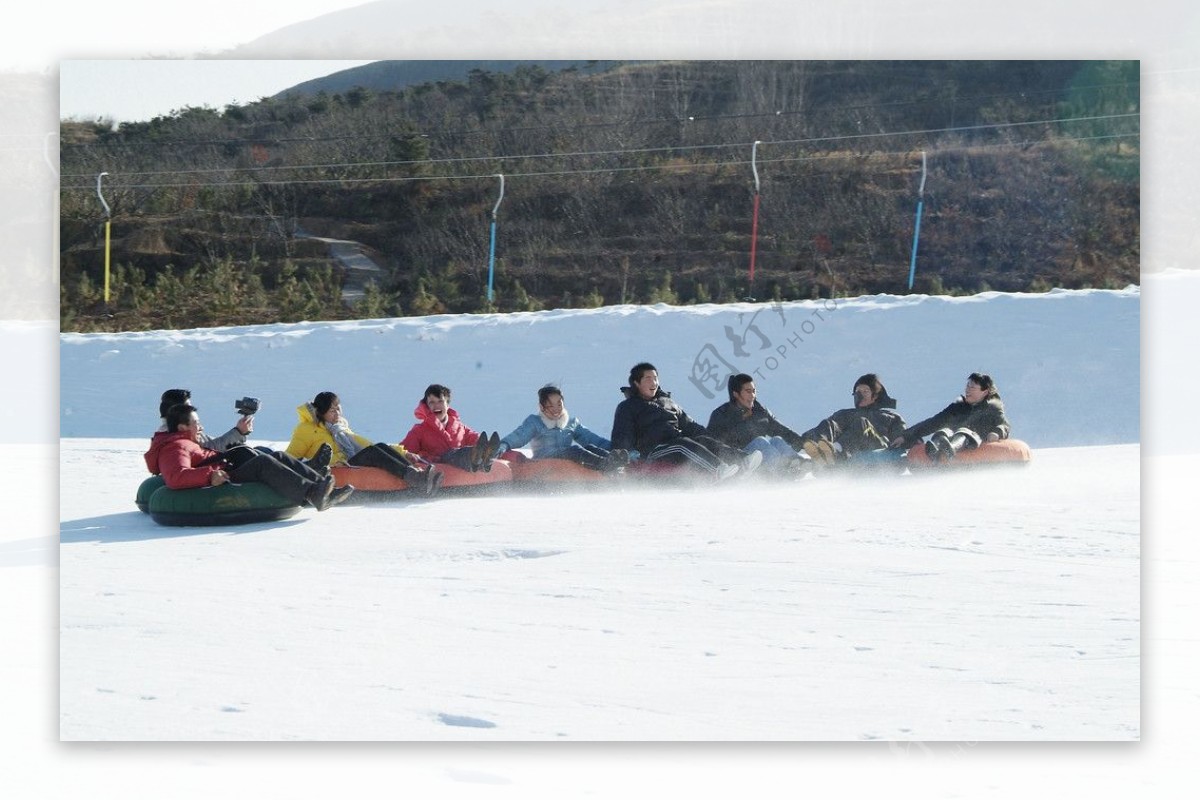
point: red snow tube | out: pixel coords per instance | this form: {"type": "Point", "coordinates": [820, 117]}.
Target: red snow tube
{"type": "Point", "coordinates": [666, 471]}
{"type": "Point", "coordinates": [1006, 451]}
{"type": "Point", "coordinates": [376, 479]}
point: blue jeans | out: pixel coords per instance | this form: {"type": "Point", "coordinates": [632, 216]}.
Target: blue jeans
{"type": "Point", "coordinates": [775, 450]}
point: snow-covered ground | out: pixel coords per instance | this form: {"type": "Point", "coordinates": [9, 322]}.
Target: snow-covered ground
{"type": "Point", "coordinates": [999, 605]}
{"type": "Point", "coordinates": [996, 605]}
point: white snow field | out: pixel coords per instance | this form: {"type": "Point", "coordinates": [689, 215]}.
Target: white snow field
{"type": "Point", "coordinates": [994, 605]}
{"type": "Point", "coordinates": [989, 605]}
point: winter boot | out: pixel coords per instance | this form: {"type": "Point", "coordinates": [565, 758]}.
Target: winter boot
{"type": "Point", "coordinates": [493, 448]}
{"type": "Point", "coordinates": [799, 465]}
{"type": "Point", "coordinates": [958, 442]}
{"type": "Point", "coordinates": [725, 471]}
{"type": "Point", "coordinates": [320, 460]}
{"type": "Point", "coordinates": [477, 452]}
{"type": "Point", "coordinates": [751, 462]}
{"type": "Point", "coordinates": [938, 447]}
{"type": "Point", "coordinates": [433, 481]}
{"type": "Point", "coordinates": [318, 493]}
{"type": "Point", "coordinates": [820, 451]}
{"type": "Point", "coordinates": [338, 495]}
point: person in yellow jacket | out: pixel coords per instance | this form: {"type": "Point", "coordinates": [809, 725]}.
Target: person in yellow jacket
{"type": "Point", "coordinates": [322, 423]}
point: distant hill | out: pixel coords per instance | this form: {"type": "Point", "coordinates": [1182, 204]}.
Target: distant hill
{"type": "Point", "coordinates": [384, 76]}
{"type": "Point", "coordinates": [626, 184]}
{"type": "Point", "coordinates": [412, 30]}
{"type": "Point", "coordinates": [728, 29]}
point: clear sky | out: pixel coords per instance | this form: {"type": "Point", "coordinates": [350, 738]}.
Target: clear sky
{"type": "Point", "coordinates": [125, 90]}
{"type": "Point", "coordinates": [37, 35]}
{"type": "Point", "coordinates": [111, 53]}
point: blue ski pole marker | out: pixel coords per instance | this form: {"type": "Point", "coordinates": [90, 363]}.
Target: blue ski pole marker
{"type": "Point", "coordinates": [492, 245]}
{"type": "Point", "coordinates": [912, 265]}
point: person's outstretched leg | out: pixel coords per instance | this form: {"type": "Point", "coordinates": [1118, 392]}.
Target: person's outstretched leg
{"type": "Point", "coordinates": [594, 459]}
{"type": "Point", "coordinates": [381, 456]}
{"type": "Point", "coordinates": [938, 445]}
{"type": "Point", "coordinates": [288, 483]}
{"type": "Point", "coordinates": [764, 446]}
{"type": "Point", "coordinates": [297, 466]}
{"type": "Point", "coordinates": [462, 458]}
{"type": "Point", "coordinates": [387, 458]}
{"type": "Point", "coordinates": [960, 439]}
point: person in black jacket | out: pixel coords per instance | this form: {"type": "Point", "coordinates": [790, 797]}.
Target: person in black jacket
{"type": "Point", "coordinates": [652, 427]}
{"type": "Point", "coordinates": [977, 416]}
{"type": "Point", "coordinates": [867, 428]}
{"type": "Point", "coordinates": [747, 425]}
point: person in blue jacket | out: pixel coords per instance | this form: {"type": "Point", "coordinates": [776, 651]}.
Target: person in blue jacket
{"type": "Point", "coordinates": [553, 433]}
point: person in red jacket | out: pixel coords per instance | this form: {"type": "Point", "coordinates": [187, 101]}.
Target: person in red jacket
{"type": "Point", "coordinates": [234, 436]}
{"type": "Point", "coordinates": [439, 436]}
{"type": "Point", "coordinates": [177, 455]}
{"type": "Point", "coordinates": [317, 464]}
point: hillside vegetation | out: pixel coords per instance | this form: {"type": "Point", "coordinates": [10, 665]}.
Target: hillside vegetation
{"type": "Point", "coordinates": [628, 185]}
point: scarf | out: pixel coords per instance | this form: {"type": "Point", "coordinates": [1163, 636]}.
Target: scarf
{"type": "Point", "coordinates": [556, 422]}
{"type": "Point", "coordinates": [341, 436]}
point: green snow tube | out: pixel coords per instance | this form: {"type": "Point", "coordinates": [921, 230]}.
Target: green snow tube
{"type": "Point", "coordinates": [147, 489]}
{"type": "Point", "coordinates": [226, 505]}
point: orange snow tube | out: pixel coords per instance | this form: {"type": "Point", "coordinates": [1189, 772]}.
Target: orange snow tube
{"type": "Point", "coordinates": [1006, 451]}
{"type": "Point", "coordinates": [376, 479]}
{"type": "Point", "coordinates": [367, 479]}
{"type": "Point", "coordinates": [553, 471]}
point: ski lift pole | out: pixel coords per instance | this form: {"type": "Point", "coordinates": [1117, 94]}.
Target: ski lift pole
{"type": "Point", "coordinates": [492, 247]}
{"type": "Point", "coordinates": [912, 265]}
{"type": "Point", "coordinates": [107, 235]}
{"type": "Point", "coordinates": [754, 222]}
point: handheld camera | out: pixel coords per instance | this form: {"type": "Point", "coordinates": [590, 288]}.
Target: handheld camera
{"type": "Point", "coordinates": [246, 406]}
